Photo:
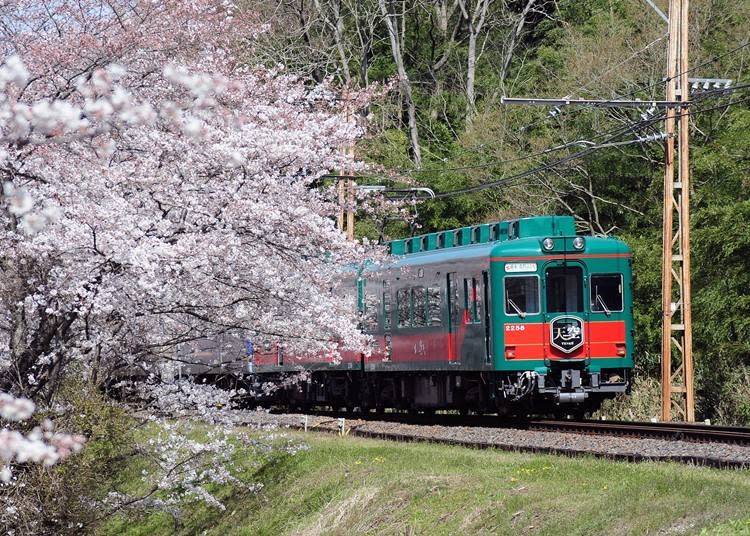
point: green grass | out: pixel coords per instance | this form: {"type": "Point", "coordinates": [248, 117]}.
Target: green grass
{"type": "Point", "coordinates": [358, 486]}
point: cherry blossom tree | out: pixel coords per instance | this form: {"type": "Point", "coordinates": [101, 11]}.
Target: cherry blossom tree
{"type": "Point", "coordinates": [157, 191]}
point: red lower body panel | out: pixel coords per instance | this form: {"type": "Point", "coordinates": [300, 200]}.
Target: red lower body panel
{"type": "Point", "coordinates": [532, 341]}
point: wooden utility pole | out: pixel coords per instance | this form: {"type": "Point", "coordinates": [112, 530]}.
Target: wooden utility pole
{"type": "Point", "coordinates": [677, 398]}
{"type": "Point", "coordinates": [345, 219]}
{"type": "Point", "coordinates": [346, 185]}
{"type": "Point", "coordinates": [350, 188]}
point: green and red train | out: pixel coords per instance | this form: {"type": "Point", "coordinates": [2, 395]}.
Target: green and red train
{"type": "Point", "coordinates": [515, 317]}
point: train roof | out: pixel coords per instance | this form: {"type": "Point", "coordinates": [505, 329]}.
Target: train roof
{"type": "Point", "coordinates": [484, 233]}
{"type": "Point", "coordinates": [516, 238]}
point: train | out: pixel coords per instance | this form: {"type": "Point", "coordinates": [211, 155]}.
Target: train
{"type": "Point", "coordinates": [520, 317]}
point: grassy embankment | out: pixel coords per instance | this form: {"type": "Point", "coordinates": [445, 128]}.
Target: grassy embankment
{"type": "Point", "coordinates": [357, 486]}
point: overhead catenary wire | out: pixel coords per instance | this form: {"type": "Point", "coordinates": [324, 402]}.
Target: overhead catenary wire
{"type": "Point", "coordinates": [485, 165]}
{"type": "Point", "coordinates": [607, 144]}
{"type": "Point", "coordinates": [494, 163]}
{"type": "Point", "coordinates": [539, 169]}
{"type": "Point", "coordinates": [616, 132]}
{"type": "Point", "coordinates": [410, 171]}
{"type": "Point", "coordinates": [634, 92]}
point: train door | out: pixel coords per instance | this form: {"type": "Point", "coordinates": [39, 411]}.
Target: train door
{"type": "Point", "coordinates": [455, 324]}
{"type": "Point", "coordinates": [565, 317]}
{"type": "Point", "coordinates": [387, 328]}
{"type": "Point", "coordinates": [486, 321]}
{"type": "Point", "coordinates": [473, 319]}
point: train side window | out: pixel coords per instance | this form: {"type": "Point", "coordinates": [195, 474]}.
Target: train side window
{"type": "Point", "coordinates": [453, 303]}
{"type": "Point", "coordinates": [433, 305]}
{"type": "Point", "coordinates": [472, 301]}
{"type": "Point", "coordinates": [478, 295]}
{"type": "Point", "coordinates": [371, 313]}
{"type": "Point", "coordinates": [467, 301]}
{"type": "Point", "coordinates": [468, 305]}
{"type": "Point", "coordinates": [521, 295]}
{"type": "Point", "coordinates": [419, 307]}
{"type": "Point", "coordinates": [606, 293]}
{"type": "Point", "coordinates": [403, 306]}
{"type": "Point", "coordinates": [387, 310]}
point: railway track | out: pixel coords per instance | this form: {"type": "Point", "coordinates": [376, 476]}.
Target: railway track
{"type": "Point", "coordinates": [660, 430]}
{"type": "Point", "coordinates": [663, 430]}
{"type": "Point", "coordinates": [714, 446]}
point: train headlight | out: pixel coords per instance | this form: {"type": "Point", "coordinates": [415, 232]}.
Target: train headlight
{"type": "Point", "coordinates": [578, 242]}
{"type": "Point", "coordinates": [548, 244]}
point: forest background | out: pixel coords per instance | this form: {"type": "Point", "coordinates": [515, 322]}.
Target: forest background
{"type": "Point", "coordinates": [443, 126]}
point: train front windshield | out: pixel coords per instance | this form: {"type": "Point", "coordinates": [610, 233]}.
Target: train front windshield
{"type": "Point", "coordinates": [564, 289]}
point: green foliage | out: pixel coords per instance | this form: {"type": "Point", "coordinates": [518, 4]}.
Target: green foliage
{"type": "Point", "coordinates": [61, 499]}
{"type": "Point", "coordinates": [608, 49]}
{"type": "Point", "coordinates": [643, 403]}
{"type": "Point", "coordinates": [604, 49]}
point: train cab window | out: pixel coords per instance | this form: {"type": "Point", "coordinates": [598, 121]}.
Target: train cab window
{"type": "Point", "coordinates": [564, 289]}
{"type": "Point", "coordinates": [433, 306]}
{"type": "Point", "coordinates": [606, 293]}
{"type": "Point", "coordinates": [403, 306]}
{"type": "Point", "coordinates": [419, 307]}
{"type": "Point", "coordinates": [521, 295]}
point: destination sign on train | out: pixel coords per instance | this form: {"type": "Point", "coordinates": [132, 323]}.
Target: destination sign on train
{"type": "Point", "coordinates": [520, 267]}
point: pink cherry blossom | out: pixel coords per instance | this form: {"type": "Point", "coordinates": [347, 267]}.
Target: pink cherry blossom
{"type": "Point", "coordinates": [158, 188]}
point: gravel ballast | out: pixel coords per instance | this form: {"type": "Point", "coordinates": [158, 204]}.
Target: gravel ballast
{"type": "Point", "coordinates": [568, 443]}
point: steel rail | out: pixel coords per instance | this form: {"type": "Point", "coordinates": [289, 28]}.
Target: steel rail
{"type": "Point", "coordinates": [669, 430]}
{"type": "Point", "coordinates": [663, 430]}
{"type": "Point", "coordinates": [677, 431]}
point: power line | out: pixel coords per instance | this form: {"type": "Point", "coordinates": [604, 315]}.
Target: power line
{"type": "Point", "coordinates": [620, 129]}
{"type": "Point", "coordinates": [719, 91]}
{"type": "Point", "coordinates": [533, 171]}
{"type": "Point", "coordinates": [580, 154]}
{"type": "Point", "coordinates": [634, 127]}
{"type": "Point", "coordinates": [634, 92]}
{"type": "Point", "coordinates": [616, 132]}
{"type": "Point", "coordinates": [582, 88]}
{"type": "Point", "coordinates": [694, 67]}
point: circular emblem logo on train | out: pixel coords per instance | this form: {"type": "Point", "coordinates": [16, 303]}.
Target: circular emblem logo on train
{"type": "Point", "coordinates": [566, 333]}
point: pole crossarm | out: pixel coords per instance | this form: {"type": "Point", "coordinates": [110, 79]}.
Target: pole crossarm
{"type": "Point", "coordinates": [598, 103]}
{"type": "Point", "coordinates": [395, 193]}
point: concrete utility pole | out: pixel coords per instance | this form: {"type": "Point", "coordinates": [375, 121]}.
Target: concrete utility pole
{"type": "Point", "coordinates": [677, 394]}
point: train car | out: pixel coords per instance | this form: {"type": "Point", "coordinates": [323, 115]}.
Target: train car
{"type": "Point", "coordinates": [515, 317]}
